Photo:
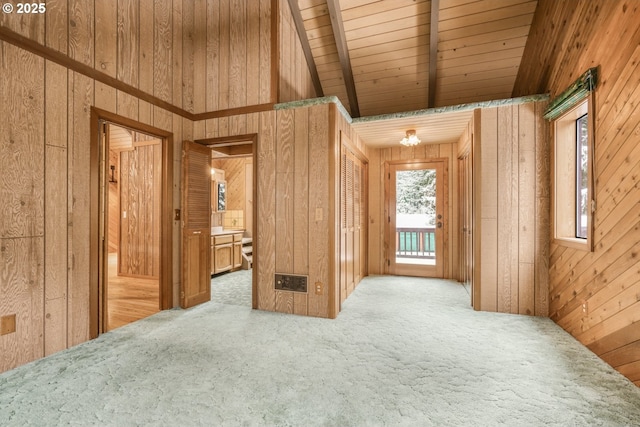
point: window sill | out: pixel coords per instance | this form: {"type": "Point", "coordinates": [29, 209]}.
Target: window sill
{"type": "Point", "coordinates": [572, 242]}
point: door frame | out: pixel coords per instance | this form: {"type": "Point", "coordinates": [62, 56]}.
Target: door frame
{"type": "Point", "coordinates": [389, 234]}
{"type": "Point", "coordinates": [97, 238]}
{"type": "Point", "coordinates": [236, 145]}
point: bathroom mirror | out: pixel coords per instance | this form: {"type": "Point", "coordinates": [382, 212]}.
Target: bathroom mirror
{"type": "Point", "coordinates": [222, 196]}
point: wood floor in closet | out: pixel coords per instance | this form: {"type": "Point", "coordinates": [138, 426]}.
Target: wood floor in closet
{"type": "Point", "coordinates": [130, 298]}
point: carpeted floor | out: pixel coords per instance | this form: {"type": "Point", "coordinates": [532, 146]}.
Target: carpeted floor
{"type": "Point", "coordinates": [403, 352]}
{"type": "Point", "coordinates": [233, 288]}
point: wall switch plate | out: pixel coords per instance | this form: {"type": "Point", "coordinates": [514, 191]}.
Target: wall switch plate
{"type": "Point", "coordinates": [319, 288]}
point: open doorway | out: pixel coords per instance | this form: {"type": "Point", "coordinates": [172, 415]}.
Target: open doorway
{"type": "Point", "coordinates": [132, 287]}
{"type": "Point", "coordinates": [232, 225]}
{"type": "Point", "coordinates": [131, 221]}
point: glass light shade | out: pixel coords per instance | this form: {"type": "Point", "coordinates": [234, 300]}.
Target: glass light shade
{"type": "Point", "coordinates": [411, 139]}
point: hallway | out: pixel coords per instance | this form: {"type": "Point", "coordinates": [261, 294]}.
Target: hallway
{"type": "Point", "coordinates": [404, 351]}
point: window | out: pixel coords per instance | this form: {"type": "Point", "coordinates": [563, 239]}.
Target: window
{"type": "Point", "coordinates": [573, 203]}
{"type": "Point", "coordinates": [572, 177]}
{"type": "Point", "coordinates": [582, 176]}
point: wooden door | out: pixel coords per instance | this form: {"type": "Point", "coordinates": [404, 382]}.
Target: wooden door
{"type": "Point", "coordinates": [196, 225]}
{"type": "Point", "coordinates": [416, 220]}
{"type": "Point", "coordinates": [353, 212]}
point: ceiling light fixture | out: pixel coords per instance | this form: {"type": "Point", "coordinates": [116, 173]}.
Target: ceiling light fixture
{"type": "Point", "coordinates": [411, 139]}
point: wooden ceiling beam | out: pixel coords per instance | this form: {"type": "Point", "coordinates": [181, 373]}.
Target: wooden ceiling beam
{"type": "Point", "coordinates": [306, 48]}
{"type": "Point", "coordinates": [343, 53]}
{"type": "Point", "coordinates": [433, 52]}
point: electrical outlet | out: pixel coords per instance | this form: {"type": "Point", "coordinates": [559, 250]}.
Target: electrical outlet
{"type": "Point", "coordinates": [318, 288]}
{"type": "Point", "coordinates": [585, 307]}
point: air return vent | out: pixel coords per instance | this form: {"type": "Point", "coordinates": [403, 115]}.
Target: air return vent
{"type": "Point", "coordinates": [291, 282]}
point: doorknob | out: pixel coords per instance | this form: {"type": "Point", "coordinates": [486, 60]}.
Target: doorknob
{"type": "Point", "coordinates": [439, 225]}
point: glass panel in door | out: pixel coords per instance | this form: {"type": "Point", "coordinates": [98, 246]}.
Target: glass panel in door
{"type": "Point", "coordinates": [416, 222]}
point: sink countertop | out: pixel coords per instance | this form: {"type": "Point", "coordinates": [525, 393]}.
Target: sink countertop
{"type": "Point", "coordinates": [218, 232]}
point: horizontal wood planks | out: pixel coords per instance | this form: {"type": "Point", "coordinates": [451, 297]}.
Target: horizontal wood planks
{"type": "Point", "coordinates": [480, 45]}
{"type": "Point", "coordinates": [593, 295]}
{"type": "Point", "coordinates": [512, 209]}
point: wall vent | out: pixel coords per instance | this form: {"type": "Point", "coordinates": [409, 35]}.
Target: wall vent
{"type": "Point", "coordinates": [291, 282]}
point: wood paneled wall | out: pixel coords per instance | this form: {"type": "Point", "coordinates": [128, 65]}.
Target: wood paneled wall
{"type": "Point", "coordinates": [232, 53]}
{"type": "Point", "coordinates": [184, 53]}
{"type": "Point", "coordinates": [294, 205]}
{"type": "Point", "coordinates": [567, 38]}
{"type": "Point", "coordinates": [45, 222]}
{"type": "Point", "coordinates": [147, 45]}
{"type": "Point", "coordinates": [140, 191]}
{"type": "Point", "coordinates": [377, 159]}
{"type": "Point", "coordinates": [295, 78]}
{"type": "Point", "coordinates": [511, 209]}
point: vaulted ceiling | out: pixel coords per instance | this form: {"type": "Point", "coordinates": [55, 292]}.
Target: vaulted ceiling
{"type": "Point", "coordinates": [388, 56]}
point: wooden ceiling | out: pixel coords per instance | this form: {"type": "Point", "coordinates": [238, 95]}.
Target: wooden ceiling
{"type": "Point", "coordinates": [388, 56]}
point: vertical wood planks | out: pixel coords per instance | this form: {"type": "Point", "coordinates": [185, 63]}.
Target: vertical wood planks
{"type": "Point", "coordinates": [81, 31]}
{"type": "Point", "coordinates": [238, 53]}
{"type": "Point", "coordinates": [177, 79]}
{"type": "Point", "coordinates": [128, 29]}
{"type": "Point", "coordinates": [488, 209]}
{"type": "Point", "coordinates": [106, 43]}
{"type": "Point", "coordinates": [253, 53]}
{"type": "Point", "coordinates": [301, 214]}
{"type": "Point", "coordinates": [526, 208]}
{"type": "Point", "coordinates": [284, 191]}
{"type": "Point", "coordinates": [319, 250]}
{"type": "Point", "coordinates": [512, 245]}
{"type": "Point", "coordinates": [146, 36]}
{"type": "Point", "coordinates": [22, 144]}
{"type": "Point", "coordinates": [56, 24]}
{"type": "Point", "coordinates": [265, 50]}
{"type": "Point", "coordinates": [21, 204]}
{"type": "Point", "coordinates": [506, 218]}
{"type": "Point", "coordinates": [266, 244]}
{"type": "Point", "coordinates": [22, 295]}
{"type": "Point", "coordinates": [162, 53]}
{"type": "Point", "coordinates": [542, 213]}
{"type": "Point", "coordinates": [188, 57]}
{"type": "Point", "coordinates": [81, 99]}
{"type": "Point", "coordinates": [55, 206]}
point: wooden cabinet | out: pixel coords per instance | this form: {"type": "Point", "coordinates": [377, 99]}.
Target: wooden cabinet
{"type": "Point", "coordinates": [237, 251]}
{"type": "Point", "coordinates": [226, 252]}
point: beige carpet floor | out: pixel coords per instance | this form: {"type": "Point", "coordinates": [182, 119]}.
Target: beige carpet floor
{"type": "Point", "coordinates": [403, 352]}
